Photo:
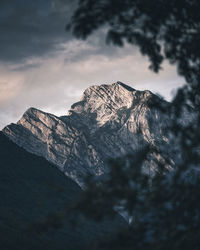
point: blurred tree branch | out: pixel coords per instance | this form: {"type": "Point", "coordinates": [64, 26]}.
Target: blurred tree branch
{"type": "Point", "coordinates": [161, 29]}
{"type": "Point", "coordinates": [165, 207]}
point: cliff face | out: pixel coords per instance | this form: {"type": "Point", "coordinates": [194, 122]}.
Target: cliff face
{"type": "Point", "coordinates": [109, 121]}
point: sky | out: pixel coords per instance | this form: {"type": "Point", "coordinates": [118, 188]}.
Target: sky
{"type": "Point", "coordinates": [43, 66]}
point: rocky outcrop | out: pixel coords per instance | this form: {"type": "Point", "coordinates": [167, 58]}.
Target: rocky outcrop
{"type": "Point", "coordinates": [109, 121]}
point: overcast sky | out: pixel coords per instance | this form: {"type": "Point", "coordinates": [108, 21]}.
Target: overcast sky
{"type": "Point", "coordinates": [43, 66]}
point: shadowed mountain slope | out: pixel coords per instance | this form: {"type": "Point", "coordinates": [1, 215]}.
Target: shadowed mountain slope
{"type": "Point", "coordinates": [36, 199]}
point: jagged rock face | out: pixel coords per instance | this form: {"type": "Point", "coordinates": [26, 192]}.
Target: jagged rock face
{"type": "Point", "coordinates": [104, 124]}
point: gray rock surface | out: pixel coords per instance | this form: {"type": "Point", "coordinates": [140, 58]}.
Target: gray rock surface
{"type": "Point", "coordinates": [109, 121]}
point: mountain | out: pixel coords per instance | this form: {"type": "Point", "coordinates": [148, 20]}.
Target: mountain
{"type": "Point", "coordinates": [36, 205]}
{"type": "Point", "coordinates": [109, 121]}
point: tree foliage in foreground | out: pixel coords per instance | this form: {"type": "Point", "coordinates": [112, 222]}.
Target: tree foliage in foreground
{"type": "Point", "coordinates": [165, 208]}
{"type": "Point", "coordinates": [161, 29]}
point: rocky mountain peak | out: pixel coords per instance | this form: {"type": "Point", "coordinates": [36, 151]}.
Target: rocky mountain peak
{"type": "Point", "coordinates": [34, 116]}
{"type": "Point", "coordinates": [102, 125]}
{"type": "Point", "coordinates": [102, 102]}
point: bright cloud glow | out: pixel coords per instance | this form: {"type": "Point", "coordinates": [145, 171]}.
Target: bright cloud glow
{"type": "Point", "coordinates": [55, 82]}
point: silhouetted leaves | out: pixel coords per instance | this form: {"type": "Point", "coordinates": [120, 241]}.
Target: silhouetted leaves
{"type": "Point", "coordinates": [161, 29]}
{"type": "Point", "coordinates": [164, 206]}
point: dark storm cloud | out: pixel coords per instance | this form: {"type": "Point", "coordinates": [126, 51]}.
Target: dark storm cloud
{"type": "Point", "coordinates": [31, 28]}
{"type": "Point", "coordinates": [36, 28]}
{"type": "Point", "coordinates": [43, 66]}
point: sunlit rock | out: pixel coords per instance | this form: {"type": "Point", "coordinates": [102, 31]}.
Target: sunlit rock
{"type": "Point", "coordinates": [108, 121]}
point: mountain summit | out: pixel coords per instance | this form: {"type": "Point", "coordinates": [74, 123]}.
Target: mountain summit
{"type": "Point", "coordinates": [108, 121]}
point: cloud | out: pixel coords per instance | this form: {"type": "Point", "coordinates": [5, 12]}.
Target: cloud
{"type": "Point", "coordinates": [43, 66]}
{"type": "Point", "coordinates": [10, 86]}
{"type": "Point", "coordinates": [57, 83]}
{"type": "Point", "coordinates": [36, 28]}
{"type": "Point", "coordinates": [32, 28]}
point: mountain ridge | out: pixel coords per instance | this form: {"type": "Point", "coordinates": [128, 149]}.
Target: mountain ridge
{"type": "Point", "coordinates": [108, 121]}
